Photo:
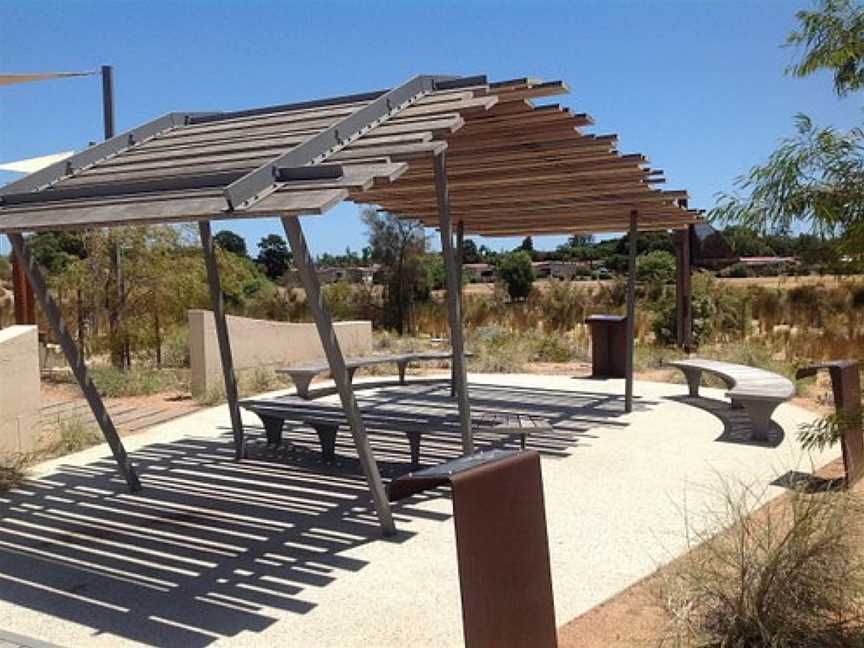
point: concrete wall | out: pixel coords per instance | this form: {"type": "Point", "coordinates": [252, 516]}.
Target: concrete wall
{"type": "Point", "coordinates": [20, 398]}
{"type": "Point", "coordinates": [262, 343]}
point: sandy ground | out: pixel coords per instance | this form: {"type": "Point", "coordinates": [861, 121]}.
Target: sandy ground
{"type": "Point", "coordinates": [281, 550]}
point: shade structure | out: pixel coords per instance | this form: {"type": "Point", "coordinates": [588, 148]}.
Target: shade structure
{"type": "Point", "coordinates": [451, 152]}
{"type": "Point", "coordinates": [514, 168]}
{"type": "Point", "coordinates": [14, 79]}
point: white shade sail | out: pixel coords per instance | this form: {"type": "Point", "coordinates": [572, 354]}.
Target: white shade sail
{"type": "Point", "coordinates": [33, 164]}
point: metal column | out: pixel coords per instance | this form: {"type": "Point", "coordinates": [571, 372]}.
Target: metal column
{"type": "Point", "coordinates": [453, 306]}
{"type": "Point", "coordinates": [459, 255]}
{"type": "Point", "coordinates": [218, 303]}
{"type": "Point", "coordinates": [683, 290]}
{"type": "Point", "coordinates": [631, 310]}
{"type": "Point", "coordinates": [315, 300]}
{"type": "Point", "coordinates": [75, 360]}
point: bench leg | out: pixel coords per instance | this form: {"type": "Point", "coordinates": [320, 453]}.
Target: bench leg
{"type": "Point", "coordinates": [760, 417]}
{"type": "Point", "coordinates": [273, 428]}
{"type": "Point", "coordinates": [302, 385]}
{"type": "Point", "coordinates": [693, 376]}
{"type": "Point", "coordinates": [327, 439]}
{"type": "Point", "coordinates": [736, 404]}
{"type": "Point", "coordinates": [351, 372]}
{"type": "Point", "coordinates": [522, 439]}
{"type": "Point", "coordinates": [414, 442]}
{"type": "Point", "coordinates": [402, 366]}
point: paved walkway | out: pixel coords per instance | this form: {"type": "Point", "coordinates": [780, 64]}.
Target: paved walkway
{"type": "Point", "coordinates": [282, 550]}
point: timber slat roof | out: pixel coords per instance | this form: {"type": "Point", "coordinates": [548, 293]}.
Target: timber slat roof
{"type": "Point", "coordinates": [514, 168]}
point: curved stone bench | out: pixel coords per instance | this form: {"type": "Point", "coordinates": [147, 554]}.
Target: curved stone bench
{"type": "Point", "coordinates": [757, 391]}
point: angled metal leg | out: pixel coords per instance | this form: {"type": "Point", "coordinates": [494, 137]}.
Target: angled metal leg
{"type": "Point", "coordinates": [459, 377]}
{"type": "Point", "coordinates": [306, 270]}
{"type": "Point", "coordinates": [222, 335]}
{"type": "Point", "coordinates": [75, 360]}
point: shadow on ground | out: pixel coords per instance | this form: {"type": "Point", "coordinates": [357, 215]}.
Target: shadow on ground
{"type": "Point", "coordinates": [736, 424]}
{"type": "Point", "coordinates": [210, 547]}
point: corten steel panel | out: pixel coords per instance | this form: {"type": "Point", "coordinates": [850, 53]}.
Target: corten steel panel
{"type": "Point", "coordinates": [502, 546]}
{"type": "Point", "coordinates": [846, 385]}
{"type": "Point", "coordinates": [608, 345]}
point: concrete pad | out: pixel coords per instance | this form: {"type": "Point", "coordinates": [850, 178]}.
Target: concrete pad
{"type": "Point", "coordinates": [284, 550]}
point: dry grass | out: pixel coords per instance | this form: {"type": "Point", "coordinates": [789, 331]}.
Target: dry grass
{"type": "Point", "coordinates": [791, 575]}
{"type": "Point", "coordinates": [13, 470]}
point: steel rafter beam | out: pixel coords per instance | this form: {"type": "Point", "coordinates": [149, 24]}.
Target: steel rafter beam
{"type": "Point", "coordinates": [96, 153]}
{"type": "Point", "coordinates": [215, 180]}
{"type": "Point", "coordinates": [263, 181]}
{"type": "Point", "coordinates": [75, 360]}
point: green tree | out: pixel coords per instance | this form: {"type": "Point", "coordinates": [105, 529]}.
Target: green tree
{"type": "Point", "coordinates": [231, 242]}
{"type": "Point", "coordinates": [274, 256]}
{"type": "Point", "coordinates": [515, 270]}
{"type": "Point", "coordinates": [656, 267]}
{"type": "Point", "coordinates": [398, 245]}
{"type": "Point", "coordinates": [470, 253]}
{"type": "Point", "coordinates": [746, 242]}
{"type": "Point", "coordinates": [815, 177]}
{"type": "Point", "coordinates": [5, 269]}
{"type": "Point", "coordinates": [832, 39]}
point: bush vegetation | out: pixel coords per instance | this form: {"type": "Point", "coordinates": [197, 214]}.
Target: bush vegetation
{"type": "Point", "coordinates": [790, 575]}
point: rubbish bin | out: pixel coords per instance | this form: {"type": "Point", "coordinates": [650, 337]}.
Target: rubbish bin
{"type": "Point", "coordinates": [608, 345]}
{"type": "Point", "coordinates": [501, 545]}
{"type": "Point", "coordinates": [846, 385]}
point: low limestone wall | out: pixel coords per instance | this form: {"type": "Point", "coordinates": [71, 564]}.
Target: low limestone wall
{"type": "Point", "coordinates": [20, 398]}
{"type": "Point", "coordinates": [262, 343]}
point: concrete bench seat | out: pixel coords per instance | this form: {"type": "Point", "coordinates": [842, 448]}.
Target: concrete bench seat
{"type": "Point", "coordinates": [755, 390]}
{"type": "Point", "coordinates": [303, 373]}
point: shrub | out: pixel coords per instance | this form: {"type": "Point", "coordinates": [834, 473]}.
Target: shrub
{"type": "Point", "coordinates": [13, 471]}
{"type": "Point", "coordinates": [656, 267]}
{"type": "Point", "coordinates": [517, 273]}
{"type": "Point", "coordinates": [561, 305]}
{"type": "Point", "coordinates": [138, 381]}
{"type": "Point", "coordinates": [175, 349]}
{"type": "Point", "coordinates": [553, 348]}
{"type": "Point", "coordinates": [498, 350]}
{"type": "Point", "coordinates": [789, 575]}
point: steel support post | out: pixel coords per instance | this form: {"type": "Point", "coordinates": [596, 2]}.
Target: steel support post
{"type": "Point", "coordinates": [683, 290]}
{"type": "Point", "coordinates": [631, 310]}
{"type": "Point", "coordinates": [315, 300]}
{"type": "Point", "coordinates": [75, 360]}
{"type": "Point", "coordinates": [218, 304]}
{"type": "Point", "coordinates": [459, 260]}
{"type": "Point", "coordinates": [453, 306]}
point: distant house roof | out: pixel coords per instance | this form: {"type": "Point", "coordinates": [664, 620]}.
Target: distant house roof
{"type": "Point", "coordinates": [513, 168]}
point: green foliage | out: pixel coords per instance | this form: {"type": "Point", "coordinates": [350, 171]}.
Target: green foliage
{"type": "Point", "coordinates": [657, 267]}
{"type": "Point", "coordinates": [515, 270]}
{"type": "Point", "coordinates": [274, 256]}
{"type": "Point", "coordinates": [816, 177]}
{"type": "Point", "coordinates": [470, 253]}
{"type": "Point", "coordinates": [398, 245]}
{"type": "Point", "coordinates": [13, 470]}
{"type": "Point", "coordinates": [231, 242]}
{"type": "Point", "coordinates": [436, 275]}
{"type": "Point", "coordinates": [562, 304]}
{"type": "Point", "coordinates": [5, 269]}
{"type": "Point", "coordinates": [55, 250]}
{"type": "Point", "coordinates": [139, 381]}
{"type": "Point", "coordinates": [787, 576]}
{"type": "Point", "coordinates": [833, 40]}
{"type": "Point", "coordinates": [826, 431]}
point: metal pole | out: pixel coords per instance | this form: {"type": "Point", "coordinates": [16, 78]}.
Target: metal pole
{"type": "Point", "coordinates": [315, 300]}
{"type": "Point", "coordinates": [631, 311]}
{"type": "Point", "coordinates": [108, 100]}
{"type": "Point", "coordinates": [218, 304]}
{"type": "Point", "coordinates": [75, 360]}
{"type": "Point", "coordinates": [454, 311]}
{"type": "Point", "coordinates": [460, 259]}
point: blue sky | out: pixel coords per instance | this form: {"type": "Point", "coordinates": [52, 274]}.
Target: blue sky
{"type": "Point", "coordinates": [697, 86]}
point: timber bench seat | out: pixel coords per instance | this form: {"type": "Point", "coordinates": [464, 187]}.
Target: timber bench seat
{"type": "Point", "coordinates": [303, 373]}
{"type": "Point", "coordinates": [757, 391]}
{"type": "Point", "coordinates": [327, 421]}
